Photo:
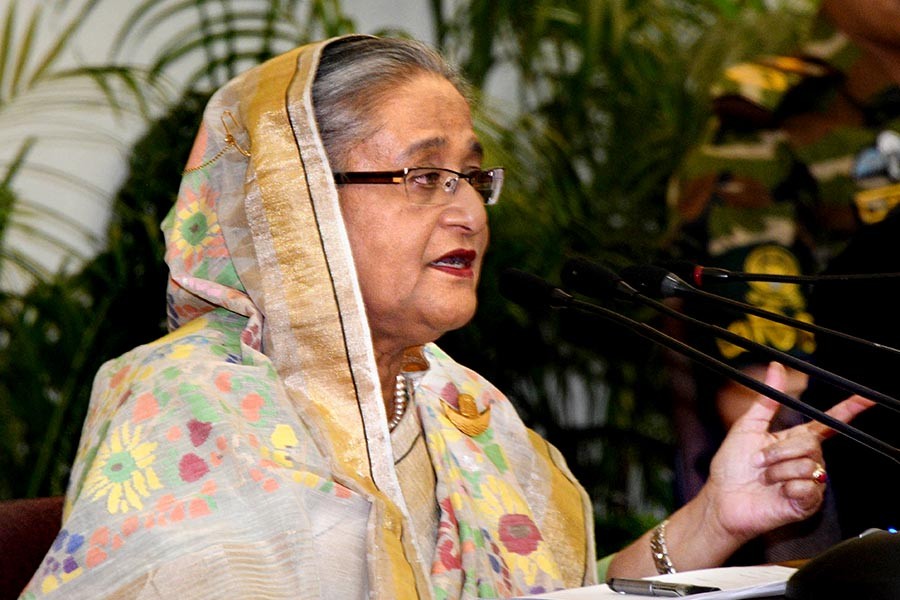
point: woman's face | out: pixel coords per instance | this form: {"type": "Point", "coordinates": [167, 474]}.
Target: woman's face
{"type": "Point", "coordinates": [418, 265]}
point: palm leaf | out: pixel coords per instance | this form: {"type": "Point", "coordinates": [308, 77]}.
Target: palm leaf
{"type": "Point", "coordinates": [36, 89]}
{"type": "Point", "coordinates": [225, 40]}
{"type": "Point", "coordinates": [85, 317]}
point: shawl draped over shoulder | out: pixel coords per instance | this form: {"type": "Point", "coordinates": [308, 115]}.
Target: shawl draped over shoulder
{"type": "Point", "coordinates": [247, 454]}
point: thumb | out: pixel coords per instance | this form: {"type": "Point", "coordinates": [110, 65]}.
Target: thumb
{"type": "Point", "coordinates": [760, 414]}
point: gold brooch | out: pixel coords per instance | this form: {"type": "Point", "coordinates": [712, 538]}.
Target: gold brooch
{"type": "Point", "coordinates": [467, 419]}
{"type": "Point", "coordinates": [230, 142]}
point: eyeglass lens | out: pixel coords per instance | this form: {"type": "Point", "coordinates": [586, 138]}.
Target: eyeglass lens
{"type": "Point", "coordinates": [422, 184]}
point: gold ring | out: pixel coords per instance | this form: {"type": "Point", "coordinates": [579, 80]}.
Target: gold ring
{"type": "Point", "coordinates": [819, 475]}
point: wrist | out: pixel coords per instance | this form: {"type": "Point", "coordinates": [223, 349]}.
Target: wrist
{"type": "Point", "coordinates": [659, 550]}
{"type": "Point", "coordinates": [697, 537]}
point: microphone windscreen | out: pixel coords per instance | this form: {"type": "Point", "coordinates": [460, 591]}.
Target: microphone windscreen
{"type": "Point", "coordinates": [589, 278]}
{"type": "Point", "coordinates": [528, 290]}
{"type": "Point", "coordinates": [647, 279]}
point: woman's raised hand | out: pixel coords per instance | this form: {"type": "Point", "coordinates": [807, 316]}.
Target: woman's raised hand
{"type": "Point", "coordinates": [760, 480]}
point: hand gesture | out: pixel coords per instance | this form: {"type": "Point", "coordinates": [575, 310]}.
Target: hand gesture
{"type": "Point", "coordinates": [760, 480]}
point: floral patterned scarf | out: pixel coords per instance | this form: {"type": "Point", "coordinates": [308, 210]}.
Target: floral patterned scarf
{"type": "Point", "coordinates": [247, 453]}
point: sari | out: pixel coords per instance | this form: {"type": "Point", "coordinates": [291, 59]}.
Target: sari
{"type": "Point", "coordinates": [247, 453]}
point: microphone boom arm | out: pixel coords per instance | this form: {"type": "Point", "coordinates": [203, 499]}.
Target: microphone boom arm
{"type": "Point", "coordinates": [533, 292]}
{"type": "Point", "coordinates": [722, 368]}
{"type": "Point", "coordinates": [676, 286]}
{"type": "Point", "coordinates": [775, 354]}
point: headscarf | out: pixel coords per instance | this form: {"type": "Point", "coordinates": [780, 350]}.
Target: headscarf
{"type": "Point", "coordinates": [247, 453]}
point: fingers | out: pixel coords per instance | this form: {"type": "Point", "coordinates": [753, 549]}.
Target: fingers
{"type": "Point", "coordinates": [803, 469]}
{"type": "Point", "coordinates": [802, 483]}
{"type": "Point", "coordinates": [760, 414]}
{"type": "Point", "coordinates": [797, 443]}
{"type": "Point", "coordinates": [805, 495]}
{"type": "Point", "coordinates": [796, 461]}
{"type": "Point", "coordinates": [844, 411]}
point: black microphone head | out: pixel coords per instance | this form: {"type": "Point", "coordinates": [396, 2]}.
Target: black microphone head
{"type": "Point", "coordinates": [682, 268]}
{"type": "Point", "coordinates": [592, 279]}
{"type": "Point", "coordinates": [654, 281]}
{"type": "Point", "coordinates": [530, 291]}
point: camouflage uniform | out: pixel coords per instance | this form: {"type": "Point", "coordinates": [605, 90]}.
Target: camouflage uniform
{"type": "Point", "coordinates": [754, 197]}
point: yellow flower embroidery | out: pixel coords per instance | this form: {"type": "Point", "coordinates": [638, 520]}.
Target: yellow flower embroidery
{"type": "Point", "coordinates": [122, 471]}
{"type": "Point", "coordinates": [196, 223]}
{"type": "Point", "coordinates": [284, 439]}
{"type": "Point", "coordinates": [499, 500]}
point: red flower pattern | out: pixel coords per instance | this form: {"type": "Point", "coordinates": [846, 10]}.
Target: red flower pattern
{"type": "Point", "coordinates": [192, 467]}
{"type": "Point", "coordinates": [519, 534]}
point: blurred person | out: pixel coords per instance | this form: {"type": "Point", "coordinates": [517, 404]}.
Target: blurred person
{"type": "Point", "coordinates": [802, 159]}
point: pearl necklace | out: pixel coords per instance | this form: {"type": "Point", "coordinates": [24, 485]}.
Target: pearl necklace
{"type": "Point", "coordinates": [401, 398]}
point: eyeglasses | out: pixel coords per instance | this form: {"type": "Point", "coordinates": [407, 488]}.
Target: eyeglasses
{"type": "Point", "coordinates": [423, 183]}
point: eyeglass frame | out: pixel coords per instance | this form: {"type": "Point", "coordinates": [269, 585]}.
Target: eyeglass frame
{"type": "Point", "coordinates": [399, 176]}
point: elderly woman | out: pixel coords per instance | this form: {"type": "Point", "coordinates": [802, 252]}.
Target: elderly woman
{"type": "Point", "coordinates": [298, 434]}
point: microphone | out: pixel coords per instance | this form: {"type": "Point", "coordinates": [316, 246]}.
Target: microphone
{"type": "Point", "coordinates": [595, 280]}
{"type": "Point", "coordinates": [528, 290]}
{"type": "Point", "coordinates": [700, 276]}
{"type": "Point", "coordinates": [656, 281]}
{"type": "Point", "coordinates": [879, 577]}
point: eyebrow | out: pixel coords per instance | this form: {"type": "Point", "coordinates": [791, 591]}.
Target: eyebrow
{"type": "Point", "coordinates": [437, 143]}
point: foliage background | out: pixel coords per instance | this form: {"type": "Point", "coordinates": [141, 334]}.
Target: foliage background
{"type": "Point", "coordinates": [606, 96]}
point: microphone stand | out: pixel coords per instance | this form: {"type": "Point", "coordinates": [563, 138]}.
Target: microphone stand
{"type": "Point", "coordinates": [773, 353]}
{"type": "Point", "coordinates": [672, 285]}
{"type": "Point", "coordinates": [722, 368]}
{"type": "Point", "coordinates": [699, 274]}
{"type": "Point", "coordinates": [534, 293]}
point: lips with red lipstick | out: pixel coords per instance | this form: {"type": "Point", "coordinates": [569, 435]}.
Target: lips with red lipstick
{"type": "Point", "coordinates": [458, 262]}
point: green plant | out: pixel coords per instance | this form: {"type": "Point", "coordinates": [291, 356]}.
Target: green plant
{"type": "Point", "coordinates": [44, 329]}
{"type": "Point", "coordinates": [83, 316]}
{"type": "Point", "coordinates": [35, 82]}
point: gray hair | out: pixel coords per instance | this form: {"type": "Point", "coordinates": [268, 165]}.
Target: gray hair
{"type": "Point", "coordinates": [354, 76]}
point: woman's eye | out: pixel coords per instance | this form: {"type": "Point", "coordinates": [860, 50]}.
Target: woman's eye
{"type": "Point", "coordinates": [426, 178]}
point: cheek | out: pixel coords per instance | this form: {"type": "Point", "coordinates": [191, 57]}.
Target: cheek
{"type": "Point", "coordinates": [370, 253]}
{"type": "Point", "coordinates": [387, 254]}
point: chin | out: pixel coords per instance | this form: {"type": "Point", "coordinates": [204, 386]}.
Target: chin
{"type": "Point", "coordinates": [454, 320]}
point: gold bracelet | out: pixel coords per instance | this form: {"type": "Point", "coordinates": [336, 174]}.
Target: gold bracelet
{"type": "Point", "coordinates": [660, 551]}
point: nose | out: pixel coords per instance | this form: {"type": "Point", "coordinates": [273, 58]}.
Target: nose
{"type": "Point", "coordinates": [466, 209]}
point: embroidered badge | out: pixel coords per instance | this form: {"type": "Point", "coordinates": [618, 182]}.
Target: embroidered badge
{"type": "Point", "coordinates": [467, 419]}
